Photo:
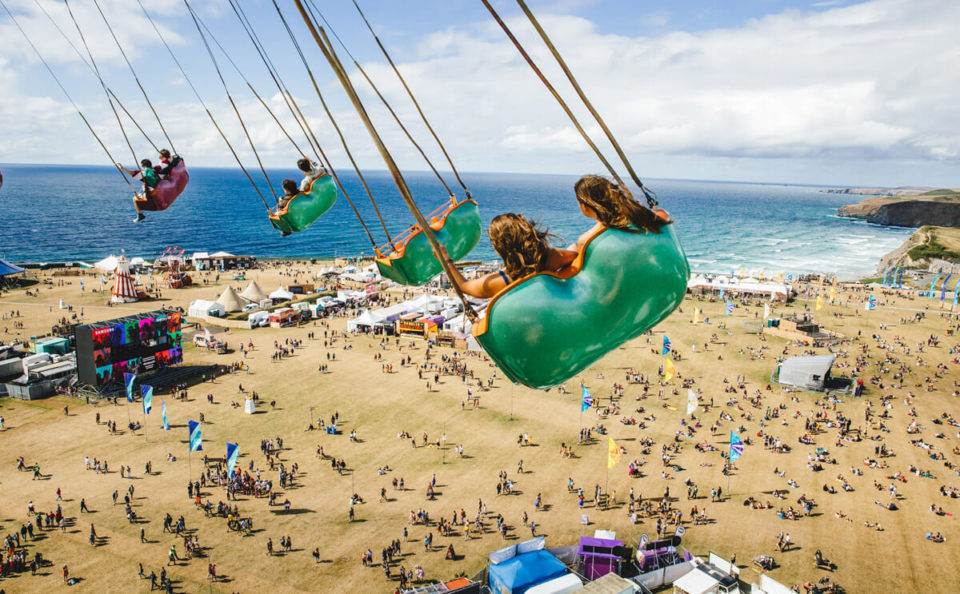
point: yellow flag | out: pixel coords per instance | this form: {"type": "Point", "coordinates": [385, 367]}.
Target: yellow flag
{"type": "Point", "coordinates": [668, 369]}
{"type": "Point", "coordinates": [613, 453]}
{"type": "Point", "coordinates": [819, 302]}
{"type": "Point", "coordinates": [696, 315]}
{"type": "Point", "coordinates": [780, 275]}
{"type": "Point", "coordinates": [833, 293]}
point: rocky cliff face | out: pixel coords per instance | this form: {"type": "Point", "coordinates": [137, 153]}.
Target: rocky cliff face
{"type": "Point", "coordinates": [905, 213]}
{"type": "Point", "coordinates": [899, 257]}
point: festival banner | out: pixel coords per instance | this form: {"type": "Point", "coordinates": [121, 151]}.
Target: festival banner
{"type": "Point", "coordinates": [128, 379]}
{"type": "Point", "coordinates": [691, 402]}
{"type": "Point", "coordinates": [669, 371]}
{"type": "Point", "coordinates": [613, 453]}
{"type": "Point", "coordinates": [196, 439]}
{"type": "Point", "coordinates": [666, 344]}
{"type": "Point", "coordinates": [729, 308]}
{"type": "Point", "coordinates": [586, 400]}
{"type": "Point", "coordinates": [819, 302]}
{"type": "Point", "coordinates": [163, 415]}
{"type": "Point", "coordinates": [233, 452]}
{"type": "Point", "coordinates": [736, 447]}
{"type": "Point", "coordinates": [147, 392]}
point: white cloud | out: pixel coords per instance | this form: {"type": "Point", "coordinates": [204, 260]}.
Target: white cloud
{"type": "Point", "coordinates": [873, 82]}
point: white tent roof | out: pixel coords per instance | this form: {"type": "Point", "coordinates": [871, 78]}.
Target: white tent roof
{"type": "Point", "coordinates": [137, 261]}
{"type": "Point", "coordinates": [200, 255]}
{"type": "Point", "coordinates": [561, 585]}
{"type": "Point", "coordinates": [281, 293]}
{"type": "Point", "coordinates": [695, 582]}
{"type": "Point", "coordinates": [229, 300]}
{"type": "Point", "coordinates": [108, 264]}
{"type": "Point", "coordinates": [202, 307]}
{"type": "Point", "coordinates": [221, 255]}
{"type": "Point", "coordinates": [253, 292]}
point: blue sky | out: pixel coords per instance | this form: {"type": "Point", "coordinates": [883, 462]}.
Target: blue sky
{"type": "Point", "coordinates": [828, 92]}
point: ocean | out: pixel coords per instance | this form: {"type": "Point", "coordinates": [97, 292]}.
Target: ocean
{"type": "Point", "coordinates": [71, 213]}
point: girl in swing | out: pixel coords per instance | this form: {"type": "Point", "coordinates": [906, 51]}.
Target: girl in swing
{"type": "Point", "coordinates": [524, 248]}
{"type": "Point", "coordinates": [612, 207]}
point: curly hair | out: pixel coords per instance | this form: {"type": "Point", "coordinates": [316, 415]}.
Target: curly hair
{"type": "Point", "coordinates": [521, 244]}
{"type": "Point", "coordinates": [615, 206]}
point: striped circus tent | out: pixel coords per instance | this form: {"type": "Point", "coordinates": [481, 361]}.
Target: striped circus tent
{"type": "Point", "coordinates": [123, 289]}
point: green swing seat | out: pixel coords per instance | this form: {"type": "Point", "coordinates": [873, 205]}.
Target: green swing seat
{"type": "Point", "coordinates": [546, 328]}
{"type": "Point", "coordinates": [410, 260]}
{"type": "Point", "coordinates": [305, 207]}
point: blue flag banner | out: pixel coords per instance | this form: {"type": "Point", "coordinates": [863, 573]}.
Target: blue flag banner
{"type": "Point", "coordinates": [163, 411]}
{"type": "Point", "coordinates": [196, 440]}
{"type": "Point", "coordinates": [233, 452]}
{"type": "Point", "coordinates": [956, 293]}
{"type": "Point", "coordinates": [943, 291]}
{"type": "Point", "coordinates": [666, 344]}
{"type": "Point", "coordinates": [586, 400]}
{"type": "Point", "coordinates": [736, 447]}
{"type": "Point", "coordinates": [935, 279]}
{"type": "Point", "coordinates": [900, 278]}
{"type": "Point", "coordinates": [147, 392]}
{"type": "Point", "coordinates": [721, 293]}
{"type": "Point", "coordinates": [729, 308]}
{"type": "Point", "coordinates": [128, 379]}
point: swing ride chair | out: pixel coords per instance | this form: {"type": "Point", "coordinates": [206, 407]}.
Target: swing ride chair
{"type": "Point", "coordinates": [409, 260]}
{"type": "Point", "coordinates": [167, 190]}
{"type": "Point", "coordinates": [306, 207]}
{"type": "Point", "coordinates": [545, 328]}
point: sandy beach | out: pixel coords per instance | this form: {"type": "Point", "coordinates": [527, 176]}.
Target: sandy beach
{"type": "Point", "coordinates": [378, 389]}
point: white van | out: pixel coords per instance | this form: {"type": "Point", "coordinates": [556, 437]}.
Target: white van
{"type": "Point", "coordinates": [259, 319]}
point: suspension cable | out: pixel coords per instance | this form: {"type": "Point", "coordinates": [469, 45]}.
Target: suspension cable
{"type": "Point", "coordinates": [343, 141]}
{"type": "Point", "coordinates": [90, 68]}
{"type": "Point", "coordinates": [415, 102]}
{"type": "Point", "coordinates": [649, 194]}
{"type": "Point", "coordinates": [250, 86]}
{"type": "Point", "coordinates": [69, 98]}
{"type": "Point", "coordinates": [323, 43]}
{"type": "Point", "coordinates": [102, 84]}
{"type": "Point", "coordinates": [223, 81]}
{"type": "Point", "coordinates": [274, 75]}
{"type": "Point", "coordinates": [553, 92]}
{"type": "Point", "coordinates": [207, 109]}
{"type": "Point", "coordinates": [135, 77]}
{"type": "Point", "coordinates": [384, 101]}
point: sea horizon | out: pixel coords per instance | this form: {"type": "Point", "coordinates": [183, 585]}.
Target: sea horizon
{"type": "Point", "coordinates": [723, 225]}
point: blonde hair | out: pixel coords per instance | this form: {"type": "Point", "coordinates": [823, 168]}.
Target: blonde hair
{"type": "Point", "coordinates": [522, 245]}
{"type": "Point", "coordinates": [615, 206]}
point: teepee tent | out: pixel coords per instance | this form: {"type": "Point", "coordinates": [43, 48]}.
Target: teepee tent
{"type": "Point", "coordinates": [254, 293]}
{"type": "Point", "coordinates": [123, 289]}
{"type": "Point", "coordinates": [229, 300]}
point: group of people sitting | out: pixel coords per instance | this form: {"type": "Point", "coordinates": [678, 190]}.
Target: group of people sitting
{"type": "Point", "coordinates": [151, 175]}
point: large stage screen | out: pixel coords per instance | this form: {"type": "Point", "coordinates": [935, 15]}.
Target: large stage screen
{"type": "Point", "coordinates": [135, 344]}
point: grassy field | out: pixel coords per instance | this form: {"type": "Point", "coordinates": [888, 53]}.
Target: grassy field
{"type": "Point", "coordinates": [379, 405]}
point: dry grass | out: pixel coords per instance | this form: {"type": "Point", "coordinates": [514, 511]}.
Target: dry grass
{"type": "Point", "coordinates": [379, 405]}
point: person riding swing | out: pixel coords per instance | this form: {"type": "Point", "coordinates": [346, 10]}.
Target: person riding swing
{"type": "Point", "coordinates": [148, 175]}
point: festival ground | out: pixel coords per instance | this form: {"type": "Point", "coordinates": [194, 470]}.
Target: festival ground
{"type": "Point", "coordinates": [378, 405]}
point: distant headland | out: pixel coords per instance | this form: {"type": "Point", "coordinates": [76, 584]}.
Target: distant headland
{"type": "Point", "coordinates": [903, 207]}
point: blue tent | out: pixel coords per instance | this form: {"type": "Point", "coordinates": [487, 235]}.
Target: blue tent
{"type": "Point", "coordinates": [522, 572]}
{"type": "Point", "coordinates": [7, 268]}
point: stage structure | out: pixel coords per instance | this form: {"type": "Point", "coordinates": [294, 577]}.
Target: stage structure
{"type": "Point", "coordinates": [135, 344]}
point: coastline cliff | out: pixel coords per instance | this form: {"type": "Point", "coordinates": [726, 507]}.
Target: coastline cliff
{"type": "Point", "coordinates": [938, 207]}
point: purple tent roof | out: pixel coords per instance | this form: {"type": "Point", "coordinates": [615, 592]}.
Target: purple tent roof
{"type": "Point", "coordinates": [598, 542]}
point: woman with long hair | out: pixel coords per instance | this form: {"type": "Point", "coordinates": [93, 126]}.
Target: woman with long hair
{"type": "Point", "coordinates": [524, 248]}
